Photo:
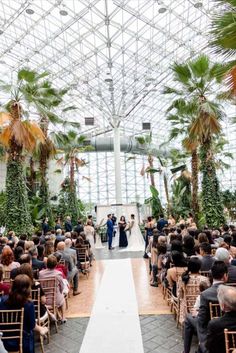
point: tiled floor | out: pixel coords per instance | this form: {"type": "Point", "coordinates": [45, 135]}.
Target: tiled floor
{"type": "Point", "coordinates": [159, 331]}
{"type": "Point", "coordinates": [159, 334]}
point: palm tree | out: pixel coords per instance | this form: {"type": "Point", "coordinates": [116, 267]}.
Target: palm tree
{"type": "Point", "coordinates": [181, 120]}
{"type": "Point", "coordinates": [197, 81]}
{"type": "Point", "coordinates": [147, 140]}
{"type": "Point", "coordinates": [19, 135]}
{"type": "Point", "coordinates": [224, 33]}
{"type": "Point", "coordinates": [71, 145]}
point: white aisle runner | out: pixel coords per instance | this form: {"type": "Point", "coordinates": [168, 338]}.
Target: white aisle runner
{"type": "Point", "coordinates": [114, 325]}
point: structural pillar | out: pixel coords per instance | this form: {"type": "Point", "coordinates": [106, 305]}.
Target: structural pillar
{"type": "Point", "coordinates": [117, 164]}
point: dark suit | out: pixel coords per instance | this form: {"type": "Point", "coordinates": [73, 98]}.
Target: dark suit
{"type": "Point", "coordinates": [215, 332]}
{"type": "Point", "coordinates": [110, 227]}
{"type": "Point", "coordinates": [199, 323]}
{"type": "Point", "coordinates": [207, 296]}
{"type": "Point", "coordinates": [231, 274]}
{"type": "Point", "coordinates": [37, 264]}
{"type": "Point", "coordinates": [207, 262]}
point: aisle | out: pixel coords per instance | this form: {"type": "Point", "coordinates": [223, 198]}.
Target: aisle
{"type": "Point", "coordinates": [114, 324]}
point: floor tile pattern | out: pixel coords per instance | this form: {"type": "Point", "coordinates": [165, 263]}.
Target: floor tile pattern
{"type": "Point", "coordinates": [159, 334]}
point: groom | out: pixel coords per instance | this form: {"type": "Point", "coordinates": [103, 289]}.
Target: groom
{"type": "Point", "coordinates": [109, 231]}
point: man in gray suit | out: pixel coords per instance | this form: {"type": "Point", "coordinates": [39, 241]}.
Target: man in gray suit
{"type": "Point", "coordinates": [207, 259]}
{"type": "Point", "coordinates": [198, 324]}
{"type": "Point", "coordinates": [73, 272]}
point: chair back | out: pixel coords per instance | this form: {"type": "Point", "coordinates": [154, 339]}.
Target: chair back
{"type": "Point", "coordinates": [191, 292]}
{"type": "Point", "coordinates": [205, 273]}
{"type": "Point", "coordinates": [82, 254]}
{"type": "Point", "coordinates": [215, 310]}
{"type": "Point", "coordinates": [230, 341]}
{"type": "Point", "coordinates": [49, 288]}
{"type": "Point", "coordinates": [7, 276]}
{"type": "Point", "coordinates": [11, 326]}
{"type": "Point", "coordinates": [35, 297]}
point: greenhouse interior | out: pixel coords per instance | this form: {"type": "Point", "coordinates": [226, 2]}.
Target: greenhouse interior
{"type": "Point", "coordinates": [117, 176]}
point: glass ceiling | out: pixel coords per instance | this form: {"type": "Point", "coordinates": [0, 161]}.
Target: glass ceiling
{"type": "Point", "coordinates": [113, 54]}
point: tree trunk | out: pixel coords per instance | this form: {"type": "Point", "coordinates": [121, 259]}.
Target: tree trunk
{"type": "Point", "coordinates": [17, 207]}
{"type": "Point", "coordinates": [150, 161]}
{"type": "Point", "coordinates": [212, 204]}
{"type": "Point", "coordinates": [167, 193]}
{"type": "Point", "coordinates": [194, 180]}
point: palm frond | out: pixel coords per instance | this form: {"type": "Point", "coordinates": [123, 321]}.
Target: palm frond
{"type": "Point", "coordinates": [181, 72]}
{"type": "Point", "coordinates": [199, 66]}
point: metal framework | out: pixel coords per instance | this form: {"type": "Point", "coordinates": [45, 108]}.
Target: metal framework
{"type": "Point", "coordinates": [115, 56]}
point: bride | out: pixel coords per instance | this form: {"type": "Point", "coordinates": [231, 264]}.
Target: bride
{"type": "Point", "coordinates": [135, 241]}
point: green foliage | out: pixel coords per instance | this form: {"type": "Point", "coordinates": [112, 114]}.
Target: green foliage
{"type": "Point", "coordinates": [154, 202]}
{"type": "Point", "coordinates": [181, 197]}
{"type": "Point", "coordinates": [17, 216]}
{"type": "Point", "coordinates": [229, 201]}
{"type": "Point", "coordinates": [2, 208]}
{"type": "Point", "coordinates": [69, 205]}
{"type": "Point", "coordinates": [212, 205]}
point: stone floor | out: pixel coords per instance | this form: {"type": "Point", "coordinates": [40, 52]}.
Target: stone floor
{"type": "Point", "coordinates": [159, 334]}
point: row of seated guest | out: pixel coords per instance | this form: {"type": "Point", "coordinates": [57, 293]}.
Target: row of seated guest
{"type": "Point", "coordinates": [177, 257]}
{"type": "Point", "coordinates": [29, 258]}
{"type": "Point", "coordinates": [19, 297]}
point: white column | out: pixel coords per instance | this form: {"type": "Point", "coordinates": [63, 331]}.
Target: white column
{"type": "Point", "coordinates": [117, 164]}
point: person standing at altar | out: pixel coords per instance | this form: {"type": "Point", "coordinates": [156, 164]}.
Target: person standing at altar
{"type": "Point", "coordinates": [123, 242]}
{"type": "Point", "coordinates": [109, 231]}
{"type": "Point", "coordinates": [114, 219]}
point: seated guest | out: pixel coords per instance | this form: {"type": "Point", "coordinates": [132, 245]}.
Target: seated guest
{"type": "Point", "coordinates": [4, 287]}
{"type": "Point", "coordinates": [215, 330]}
{"type": "Point", "coordinates": [173, 273]}
{"type": "Point", "coordinates": [36, 264]}
{"type": "Point", "coordinates": [188, 245]}
{"type": "Point", "coordinates": [73, 273]}
{"type": "Point", "coordinates": [41, 253]}
{"type": "Point", "coordinates": [68, 224]}
{"type": "Point", "coordinates": [198, 324]}
{"type": "Point", "coordinates": [202, 238]}
{"type": "Point", "coordinates": [188, 278]}
{"type": "Point", "coordinates": [51, 272]}
{"type": "Point", "coordinates": [19, 297]}
{"type": "Point", "coordinates": [207, 259]}
{"type": "Point", "coordinates": [70, 251]}
{"type": "Point", "coordinates": [18, 251]}
{"type": "Point", "coordinates": [59, 237]}
{"type": "Point", "coordinates": [7, 259]}
{"type": "Point", "coordinates": [154, 260]}
{"type": "Point", "coordinates": [224, 255]}
{"type": "Point", "coordinates": [232, 249]}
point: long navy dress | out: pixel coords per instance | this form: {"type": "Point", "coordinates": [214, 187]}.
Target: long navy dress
{"type": "Point", "coordinates": [123, 242]}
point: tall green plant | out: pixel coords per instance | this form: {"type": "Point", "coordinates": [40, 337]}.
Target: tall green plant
{"type": "Point", "coordinates": [20, 136]}
{"type": "Point", "coordinates": [197, 80]}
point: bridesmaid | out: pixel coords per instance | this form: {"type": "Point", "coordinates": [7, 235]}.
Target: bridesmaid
{"type": "Point", "coordinates": [123, 242]}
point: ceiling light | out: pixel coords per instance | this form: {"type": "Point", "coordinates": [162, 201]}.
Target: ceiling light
{"type": "Point", "coordinates": [162, 9]}
{"type": "Point", "coordinates": [63, 12]}
{"type": "Point", "coordinates": [108, 78]}
{"type": "Point", "coordinates": [29, 11]}
{"type": "Point", "coordinates": [198, 5]}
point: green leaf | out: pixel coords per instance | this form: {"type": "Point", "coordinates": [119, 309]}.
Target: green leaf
{"type": "Point", "coordinates": [72, 107]}
{"type": "Point", "coordinates": [26, 75]}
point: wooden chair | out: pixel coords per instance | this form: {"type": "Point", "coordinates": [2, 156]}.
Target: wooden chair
{"type": "Point", "coordinates": [82, 254]}
{"type": "Point", "coordinates": [41, 321]}
{"type": "Point", "coordinates": [215, 310]}
{"type": "Point", "coordinates": [49, 288]}
{"type": "Point", "coordinates": [205, 273]}
{"type": "Point", "coordinates": [191, 292]}
{"type": "Point", "coordinates": [230, 341]}
{"type": "Point", "coordinates": [11, 325]}
{"type": "Point", "coordinates": [7, 276]}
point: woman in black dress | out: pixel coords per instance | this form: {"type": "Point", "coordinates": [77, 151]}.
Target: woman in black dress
{"type": "Point", "coordinates": [123, 242]}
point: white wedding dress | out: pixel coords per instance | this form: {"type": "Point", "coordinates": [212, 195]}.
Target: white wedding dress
{"type": "Point", "coordinates": [135, 240]}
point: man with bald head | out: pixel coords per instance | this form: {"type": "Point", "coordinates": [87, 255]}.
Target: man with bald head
{"type": "Point", "coordinates": [73, 272]}
{"type": "Point", "coordinates": [215, 330]}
